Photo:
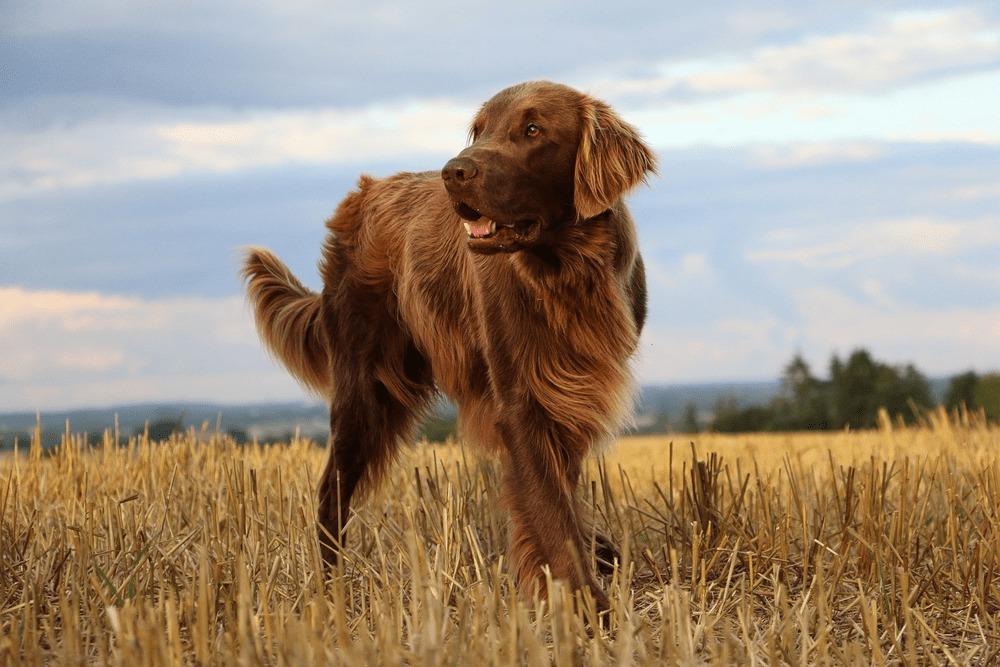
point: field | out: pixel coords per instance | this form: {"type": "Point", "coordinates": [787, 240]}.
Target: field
{"type": "Point", "coordinates": [878, 547]}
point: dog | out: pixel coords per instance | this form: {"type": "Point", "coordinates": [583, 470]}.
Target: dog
{"type": "Point", "coordinates": [511, 281]}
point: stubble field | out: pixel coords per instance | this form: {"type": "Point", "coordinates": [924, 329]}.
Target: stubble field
{"type": "Point", "coordinates": [877, 547]}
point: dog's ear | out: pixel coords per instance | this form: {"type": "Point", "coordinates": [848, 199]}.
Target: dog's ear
{"type": "Point", "coordinates": [611, 159]}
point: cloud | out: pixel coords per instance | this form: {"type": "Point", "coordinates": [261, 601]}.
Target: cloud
{"type": "Point", "coordinates": [679, 274]}
{"type": "Point", "coordinates": [863, 242]}
{"type": "Point", "coordinates": [50, 333]}
{"type": "Point", "coordinates": [935, 111]}
{"type": "Point", "coordinates": [895, 50]}
{"type": "Point", "coordinates": [900, 77]}
{"type": "Point", "coordinates": [725, 348]}
{"type": "Point", "coordinates": [312, 54]}
{"type": "Point", "coordinates": [784, 156]}
{"type": "Point", "coordinates": [975, 192]}
{"type": "Point", "coordinates": [324, 136]}
{"type": "Point", "coordinates": [940, 340]}
{"type": "Point", "coordinates": [116, 150]}
{"type": "Point", "coordinates": [83, 348]}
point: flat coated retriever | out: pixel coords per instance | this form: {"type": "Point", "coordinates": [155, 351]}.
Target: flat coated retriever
{"type": "Point", "coordinates": [511, 281]}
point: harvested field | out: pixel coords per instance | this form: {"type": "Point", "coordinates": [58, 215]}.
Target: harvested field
{"type": "Point", "coordinates": [878, 547]}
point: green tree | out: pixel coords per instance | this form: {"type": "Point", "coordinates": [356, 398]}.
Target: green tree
{"type": "Point", "coordinates": [962, 391]}
{"type": "Point", "coordinates": [729, 417]}
{"type": "Point", "coordinates": [162, 429]}
{"type": "Point", "coordinates": [239, 435]}
{"type": "Point", "coordinates": [861, 385]}
{"type": "Point", "coordinates": [689, 420]}
{"type": "Point", "coordinates": [988, 396]}
{"type": "Point", "coordinates": [852, 390]}
{"type": "Point", "coordinates": [804, 400]}
{"type": "Point", "coordinates": [903, 389]}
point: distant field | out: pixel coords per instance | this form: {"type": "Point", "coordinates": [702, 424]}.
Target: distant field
{"type": "Point", "coordinates": [837, 548]}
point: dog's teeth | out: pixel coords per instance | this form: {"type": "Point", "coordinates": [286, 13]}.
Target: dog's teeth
{"type": "Point", "coordinates": [480, 228]}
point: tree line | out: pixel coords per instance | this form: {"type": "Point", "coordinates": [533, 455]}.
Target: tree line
{"type": "Point", "coordinates": [857, 388]}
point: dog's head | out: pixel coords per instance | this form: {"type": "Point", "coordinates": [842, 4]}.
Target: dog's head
{"type": "Point", "coordinates": [541, 155]}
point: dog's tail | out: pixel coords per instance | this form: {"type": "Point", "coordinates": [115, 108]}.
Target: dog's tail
{"type": "Point", "coordinates": [288, 319]}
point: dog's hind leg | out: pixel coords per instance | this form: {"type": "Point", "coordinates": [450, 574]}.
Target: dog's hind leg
{"type": "Point", "coordinates": [362, 443]}
{"type": "Point", "coordinates": [368, 421]}
{"type": "Point", "coordinates": [356, 451]}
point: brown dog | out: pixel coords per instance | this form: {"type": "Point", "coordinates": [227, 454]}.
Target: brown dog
{"type": "Point", "coordinates": [511, 281]}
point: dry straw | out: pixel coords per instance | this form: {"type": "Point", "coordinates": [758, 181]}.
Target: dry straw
{"type": "Point", "coordinates": [875, 548]}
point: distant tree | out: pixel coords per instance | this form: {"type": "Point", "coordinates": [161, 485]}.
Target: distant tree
{"type": "Point", "coordinates": [239, 435]}
{"type": "Point", "coordinates": [915, 387]}
{"type": "Point", "coordinates": [751, 419]}
{"type": "Point", "coordinates": [689, 419]}
{"type": "Point", "coordinates": [162, 429]}
{"type": "Point", "coordinates": [861, 385]}
{"type": "Point", "coordinates": [7, 439]}
{"type": "Point", "coordinates": [725, 405]}
{"type": "Point", "coordinates": [804, 399]}
{"type": "Point", "coordinates": [988, 396]}
{"type": "Point", "coordinates": [729, 417]}
{"type": "Point", "coordinates": [962, 391]}
{"type": "Point", "coordinates": [858, 388]}
{"type": "Point", "coordinates": [852, 390]}
{"type": "Point", "coordinates": [901, 389]}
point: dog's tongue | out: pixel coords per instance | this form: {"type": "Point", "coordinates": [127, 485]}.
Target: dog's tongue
{"type": "Point", "coordinates": [481, 227]}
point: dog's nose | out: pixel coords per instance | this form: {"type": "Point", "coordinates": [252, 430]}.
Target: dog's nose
{"type": "Point", "coordinates": [458, 170]}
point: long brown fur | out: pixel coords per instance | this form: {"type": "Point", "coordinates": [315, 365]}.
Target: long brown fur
{"type": "Point", "coordinates": [529, 328]}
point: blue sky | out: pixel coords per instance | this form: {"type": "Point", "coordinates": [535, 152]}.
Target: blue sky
{"type": "Point", "coordinates": [830, 174]}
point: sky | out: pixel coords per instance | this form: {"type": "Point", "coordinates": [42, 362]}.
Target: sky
{"type": "Point", "coordinates": [829, 174]}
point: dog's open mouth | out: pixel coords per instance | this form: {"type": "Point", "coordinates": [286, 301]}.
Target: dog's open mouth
{"type": "Point", "coordinates": [487, 235]}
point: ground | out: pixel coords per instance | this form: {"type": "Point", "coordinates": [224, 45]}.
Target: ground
{"type": "Point", "coordinates": [876, 547]}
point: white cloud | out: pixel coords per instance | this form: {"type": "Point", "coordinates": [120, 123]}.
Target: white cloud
{"type": "Point", "coordinates": [91, 359]}
{"type": "Point", "coordinates": [695, 265]}
{"type": "Point", "coordinates": [784, 156]}
{"type": "Point", "coordinates": [233, 386]}
{"type": "Point", "coordinates": [976, 192]}
{"type": "Point", "coordinates": [939, 340]}
{"type": "Point", "coordinates": [85, 348]}
{"type": "Point", "coordinates": [906, 77]}
{"type": "Point", "coordinates": [671, 275]}
{"type": "Point", "coordinates": [724, 349]}
{"type": "Point", "coordinates": [324, 136]}
{"type": "Point", "coordinates": [819, 248]}
{"type": "Point", "coordinates": [895, 50]}
{"type": "Point", "coordinates": [933, 111]}
{"type": "Point", "coordinates": [137, 147]}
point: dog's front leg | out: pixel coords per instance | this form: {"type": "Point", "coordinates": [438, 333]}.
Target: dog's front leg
{"type": "Point", "coordinates": [540, 478]}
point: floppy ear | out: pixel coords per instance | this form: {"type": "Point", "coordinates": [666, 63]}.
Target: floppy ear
{"type": "Point", "coordinates": [610, 161]}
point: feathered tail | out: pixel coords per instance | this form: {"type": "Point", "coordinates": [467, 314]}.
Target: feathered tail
{"type": "Point", "coordinates": [288, 319]}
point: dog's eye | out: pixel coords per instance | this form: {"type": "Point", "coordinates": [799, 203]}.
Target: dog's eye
{"type": "Point", "coordinates": [532, 131]}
